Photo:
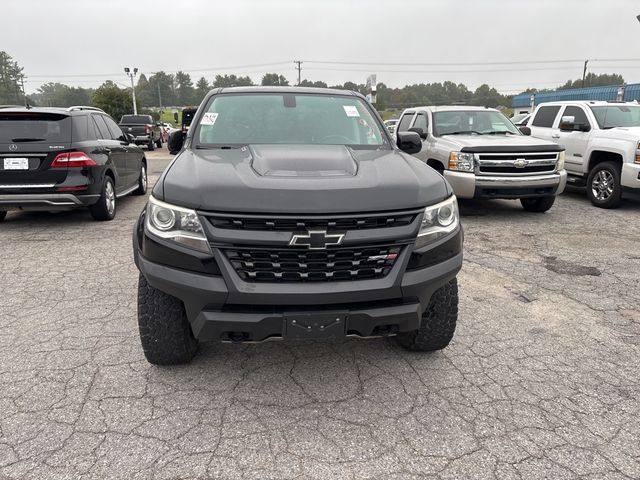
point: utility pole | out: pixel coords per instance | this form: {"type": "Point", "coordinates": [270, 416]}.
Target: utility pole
{"type": "Point", "coordinates": [23, 92]}
{"type": "Point", "coordinates": [584, 72]}
{"type": "Point", "coordinates": [132, 74]}
{"type": "Point", "coordinates": [299, 68]}
{"type": "Point", "coordinates": [159, 97]}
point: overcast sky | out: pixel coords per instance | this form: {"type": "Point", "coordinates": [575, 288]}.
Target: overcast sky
{"type": "Point", "coordinates": [84, 42]}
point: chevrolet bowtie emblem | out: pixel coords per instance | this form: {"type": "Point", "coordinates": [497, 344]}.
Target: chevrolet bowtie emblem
{"type": "Point", "coordinates": [316, 240]}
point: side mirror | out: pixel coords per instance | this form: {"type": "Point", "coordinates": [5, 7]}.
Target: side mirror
{"type": "Point", "coordinates": [525, 130]}
{"type": "Point", "coordinates": [419, 131]}
{"type": "Point", "coordinates": [409, 142]}
{"type": "Point", "coordinates": [568, 124]}
{"type": "Point", "coordinates": [175, 116]}
{"type": "Point", "coordinates": [176, 141]}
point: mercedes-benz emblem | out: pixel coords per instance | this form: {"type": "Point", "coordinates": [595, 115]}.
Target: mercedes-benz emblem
{"type": "Point", "coordinates": [13, 147]}
{"type": "Point", "coordinates": [316, 240]}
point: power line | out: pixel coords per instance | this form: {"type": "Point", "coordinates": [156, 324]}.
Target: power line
{"type": "Point", "coordinates": [450, 64]}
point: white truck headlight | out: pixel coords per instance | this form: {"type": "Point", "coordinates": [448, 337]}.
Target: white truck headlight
{"type": "Point", "coordinates": [177, 224]}
{"type": "Point", "coordinates": [438, 221]}
{"type": "Point", "coordinates": [461, 161]}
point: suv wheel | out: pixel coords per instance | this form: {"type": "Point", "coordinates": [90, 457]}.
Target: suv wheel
{"type": "Point", "coordinates": [159, 142]}
{"type": "Point", "coordinates": [438, 322]}
{"type": "Point", "coordinates": [603, 185]}
{"type": "Point", "coordinates": [165, 332]}
{"type": "Point", "coordinates": [142, 180]}
{"type": "Point", "coordinates": [538, 204]}
{"type": "Point", "coordinates": [105, 208]}
{"type": "Point", "coordinates": [151, 145]}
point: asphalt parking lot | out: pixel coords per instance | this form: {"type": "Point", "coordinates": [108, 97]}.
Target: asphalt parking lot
{"type": "Point", "coordinates": [542, 379]}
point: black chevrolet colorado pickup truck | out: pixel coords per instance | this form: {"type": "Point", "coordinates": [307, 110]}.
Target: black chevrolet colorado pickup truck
{"type": "Point", "coordinates": [290, 213]}
{"type": "Point", "coordinates": [143, 130]}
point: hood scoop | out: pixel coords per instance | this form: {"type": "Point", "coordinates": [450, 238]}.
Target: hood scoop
{"type": "Point", "coordinates": [303, 161]}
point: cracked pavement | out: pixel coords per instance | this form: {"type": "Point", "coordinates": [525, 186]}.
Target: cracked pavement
{"type": "Point", "coordinates": [541, 380]}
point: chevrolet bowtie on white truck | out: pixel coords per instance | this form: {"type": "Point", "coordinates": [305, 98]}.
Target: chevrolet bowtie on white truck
{"type": "Point", "coordinates": [483, 155]}
{"type": "Point", "coordinates": [602, 142]}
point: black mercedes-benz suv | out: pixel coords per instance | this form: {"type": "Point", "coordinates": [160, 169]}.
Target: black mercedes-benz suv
{"type": "Point", "coordinates": [64, 158]}
{"type": "Point", "coordinates": [289, 213]}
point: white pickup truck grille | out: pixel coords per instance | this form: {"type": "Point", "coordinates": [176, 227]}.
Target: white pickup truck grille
{"type": "Point", "coordinates": [510, 164]}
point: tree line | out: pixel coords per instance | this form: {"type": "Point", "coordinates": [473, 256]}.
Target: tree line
{"type": "Point", "coordinates": [162, 89]}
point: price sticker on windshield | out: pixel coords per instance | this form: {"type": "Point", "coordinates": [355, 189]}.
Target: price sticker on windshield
{"type": "Point", "coordinates": [209, 118]}
{"type": "Point", "coordinates": [351, 110]}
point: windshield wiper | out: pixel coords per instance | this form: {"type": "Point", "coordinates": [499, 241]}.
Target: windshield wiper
{"type": "Point", "coordinates": [494, 132]}
{"type": "Point", "coordinates": [221, 146]}
{"type": "Point", "coordinates": [27, 139]}
{"type": "Point", "coordinates": [463, 132]}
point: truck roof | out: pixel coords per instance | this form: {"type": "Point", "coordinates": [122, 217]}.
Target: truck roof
{"type": "Point", "coordinates": [592, 103]}
{"type": "Point", "coordinates": [450, 108]}
{"type": "Point", "coordinates": [289, 89]}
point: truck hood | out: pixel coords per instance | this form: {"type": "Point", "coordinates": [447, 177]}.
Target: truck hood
{"type": "Point", "coordinates": [309, 179]}
{"type": "Point", "coordinates": [620, 133]}
{"type": "Point", "coordinates": [499, 142]}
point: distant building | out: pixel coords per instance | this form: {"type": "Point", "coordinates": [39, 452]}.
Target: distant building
{"type": "Point", "coordinates": [523, 103]}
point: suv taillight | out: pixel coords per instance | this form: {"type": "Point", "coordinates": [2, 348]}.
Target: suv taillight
{"type": "Point", "coordinates": [73, 159]}
{"type": "Point", "coordinates": [147, 128]}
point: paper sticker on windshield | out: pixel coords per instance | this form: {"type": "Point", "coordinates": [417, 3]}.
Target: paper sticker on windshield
{"type": "Point", "coordinates": [209, 118]}
{"type": "Point", "coordinates": [351, 111]}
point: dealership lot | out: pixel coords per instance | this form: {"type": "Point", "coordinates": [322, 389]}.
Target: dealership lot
{"type": "Point", "coordinates": [541, 380]}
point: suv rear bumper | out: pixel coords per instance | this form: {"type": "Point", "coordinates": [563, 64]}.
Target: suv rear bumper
{"type": "Point", "coordinates": [220, 306]}
{"type": "Point", "coordinates": [45, 201]}
{"type": "Point", "coordinates": [470, 185]}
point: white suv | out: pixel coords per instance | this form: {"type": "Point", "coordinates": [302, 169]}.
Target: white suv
{"type": "Point", "coordinates": [602, 142]}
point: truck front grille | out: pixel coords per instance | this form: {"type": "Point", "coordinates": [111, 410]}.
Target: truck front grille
{"type": "Point", "coordinates": [508, 163]}
{"type": "Point", "coordinates": [292, 223]}
{"type": "Point", "coordinates": [302, 265]}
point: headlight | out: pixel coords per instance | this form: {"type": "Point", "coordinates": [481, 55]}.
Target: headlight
{"type": "Point", "coordinates": [461, 161]}
{"type": "Point", "coordinates": [438, 221]}
{"type": "Point", "coordinates": [637, 160]}
{"type": "Point", "coordinates": [560, 164]}
{"type": "Point", "coordinates": [178, 224]}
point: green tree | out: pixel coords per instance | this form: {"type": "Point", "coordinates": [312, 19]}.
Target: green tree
{"type": "Point", "coordinates": [145, 95]}
{"type": "Point", "coordinates": [184, 89]}
{"type": "Point", "coordinates": [161, 90]}
{"type": "Point", "coordinates": [317, 84]}
{"type": "Point", "coordinates": [11, 79]}
{"type": "Point", "coordinates": [222, 81]}
{"type": "Point", "coordinates": [594, 80]}
{"type": "Point", "coordinates": [202, 88]}
{"type": "Point", "coordinates": [113, 100]}
{"type": "Point", "coordinates": [274, 79]}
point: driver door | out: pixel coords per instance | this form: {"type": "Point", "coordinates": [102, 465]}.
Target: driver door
{"type": "Point", "coordinates": [575, 142]}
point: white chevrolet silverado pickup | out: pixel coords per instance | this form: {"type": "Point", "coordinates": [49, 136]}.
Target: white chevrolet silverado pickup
{"type": "Point", "coordinates": [602, 142]}
{"type": "Point", "coordinates": [483, 155]}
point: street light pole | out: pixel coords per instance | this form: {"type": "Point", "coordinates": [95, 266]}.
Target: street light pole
{"type": "Point", "coordinates": [132, 74]}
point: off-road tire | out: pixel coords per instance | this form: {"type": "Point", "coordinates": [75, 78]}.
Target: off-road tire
{"type": "Point", "coordinates": [3, 214]}
{"type": "Point", "coordinates": [151, 145]}
{"type": "Point", "coordinates": [538, 204]}
{"type": "Point", "coordinates": [142, 180]}
{"type": "Point", "coordinates": [159, 142]}
{"type": "Point", "coordinates": [101, 210]}
{"type": "Point", "coordinates": [165, 332]}
{"type": "Point", "coordinates": [438, 322]}
{"type": "Point", "coordinates": [615, 199]}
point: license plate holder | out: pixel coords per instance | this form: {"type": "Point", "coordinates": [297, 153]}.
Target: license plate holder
{"type": "Point", "coordinates": [16, 163]}
{"type": "Point", "coordinates": [302, 326]}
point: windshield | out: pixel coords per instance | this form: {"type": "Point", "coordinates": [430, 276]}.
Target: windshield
{"type": "Point", "coordinates": [288, 119]}
{"type": "Point", "coordinates": [617, 116]}
{"type": "Point", "coordinates": [479, 122]}
{"type": "Point", "coordinates": [34, 127]}
{"type": "Point", "coordinates": [135, 119]}
{"type": "Point", "coordinates": [518, 117]}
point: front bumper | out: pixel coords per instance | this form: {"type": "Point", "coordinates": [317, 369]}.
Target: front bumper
{"type": "Point", "coordinates": [224, 307]}
{"type": "Point", "coordinates": [470, 185]}
{"type": "Point", "coordinates": [45, 201]}
{"type": "Point", "coordinates": [630, 175]}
